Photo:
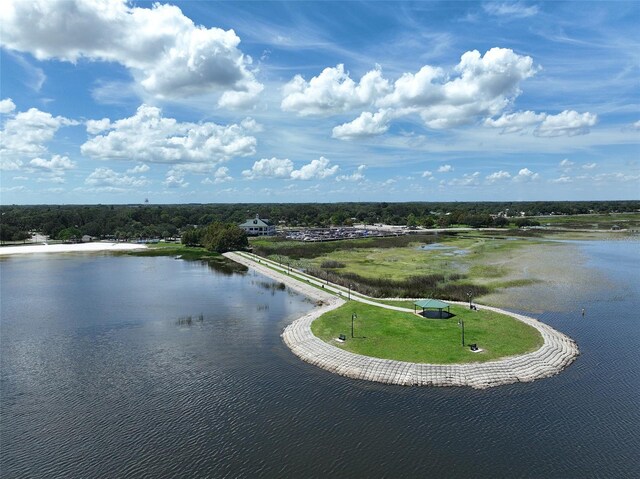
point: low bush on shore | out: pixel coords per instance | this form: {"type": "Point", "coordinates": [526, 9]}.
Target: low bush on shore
{"type": "Point", "coordinates": [434, 285]}
{"type": "Point", "coordinates": [332, 264]}
{"type": "Point", "coordinates": [192, 253]}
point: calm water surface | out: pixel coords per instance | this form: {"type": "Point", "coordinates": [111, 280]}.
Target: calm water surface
{"type": "Point", "coordinates": [103, 376]}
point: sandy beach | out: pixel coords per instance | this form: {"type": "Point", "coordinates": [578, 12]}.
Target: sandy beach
{"type": "Point", "coordinates": [68, 248]}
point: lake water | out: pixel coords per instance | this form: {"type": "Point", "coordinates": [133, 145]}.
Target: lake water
{"type": "Point", "coordinates": [103, 376]}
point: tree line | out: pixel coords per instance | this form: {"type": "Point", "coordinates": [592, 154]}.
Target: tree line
{"type": "Point", "coordinates": [126, 222]}
{"type": "Point", "coordinates": [218, 236]}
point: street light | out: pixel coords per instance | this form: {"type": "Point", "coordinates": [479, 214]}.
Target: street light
{"type": "Point", "coordinates": [461, 323]}
{"type": "Point", "coordinates": [349, 291]}
{"type": "Point", "coordinates": [353, 316]}
{"type": "Point", "coordinates": [469, 295]}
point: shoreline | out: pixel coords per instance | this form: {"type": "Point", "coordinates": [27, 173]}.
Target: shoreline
{"type": "Point", "coordinates": [557, 352]}
{"type": "Point", "coordinates": [69, 248]}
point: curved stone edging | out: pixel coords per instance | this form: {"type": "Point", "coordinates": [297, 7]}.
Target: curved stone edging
{"type": "Point", "coordinates": [557, 352]}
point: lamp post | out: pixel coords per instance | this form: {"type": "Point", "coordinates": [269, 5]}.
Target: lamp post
{"type": "Point", "coordinates": [469, 295]}
{"type": "Point", "coordinates": [461, 323]}
{"type": "Point", "coordinates": [353, 317]}
{"type": "Point", "coordinates": [349, 291]}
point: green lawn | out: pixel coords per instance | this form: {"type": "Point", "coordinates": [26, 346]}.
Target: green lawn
{"type": "Point", "coordinates": [388, 334]}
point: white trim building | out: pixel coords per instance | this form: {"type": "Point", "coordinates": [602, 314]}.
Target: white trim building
{"type": "Point", "coordinates": [258, 227]}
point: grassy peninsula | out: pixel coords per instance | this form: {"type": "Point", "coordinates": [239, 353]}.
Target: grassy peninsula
{"type": "Point", "coordinates": [389, 334]}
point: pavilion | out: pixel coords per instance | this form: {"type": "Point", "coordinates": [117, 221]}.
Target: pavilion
{"type": "Point", "coordinates": [433, 304]}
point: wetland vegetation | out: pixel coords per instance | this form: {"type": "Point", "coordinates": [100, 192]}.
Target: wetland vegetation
{"type": "Point", "coordinates": [446, 266]}
{"type": "Point", "coordinates": [189, 253]}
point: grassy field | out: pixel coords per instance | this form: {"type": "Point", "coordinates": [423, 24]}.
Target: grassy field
{"type": "Point", "coordinates": [388, 334]}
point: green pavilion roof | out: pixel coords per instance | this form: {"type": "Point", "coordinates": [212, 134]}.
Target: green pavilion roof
{"type": "Point", "coordinates": [431, 303]}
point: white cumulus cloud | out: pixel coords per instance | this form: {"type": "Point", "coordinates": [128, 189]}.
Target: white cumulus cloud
{"type": "Point", "coordinates": [525, 175]}
{"type": "Point", "coordinates": [445, 169]}
{"type": "Point", "coordinates": [357, 175]}
{"type": "Point", "coordinates": [333, 91]}
{"type": "Point", "coordinates": [367, 124]}
{"type": "Point", "coordinates": [498, 176]}
{"type": "Point", "coordinates": [164, 50]}
{"type": "Point", "coordinates": [149, 137]}
{"type": "Point", "coordinates": [56, 164]}
{"type": "Point", "coordinates": [139, 169]}
{"type": "Point", "coordinates": [7, 106]}
{"type": "Point", "coordinates": [284, 168]}
{"type": "Point", "coordinates": [96, 126]}
{"type": "Point", "coordinates": [316, 170]}
{"type": "Point", "coordinates": [480, 86]}
{"type": "Point", "coordinates": [562, 179]}
{"type": "Point", "coordinates": [270, 168]}
{"type": "Point", "coordinates": [106, 177]}
{"type": "Point", "coordinates": [220, 176]}
{"type": "Point", "coordinates": [515, 122]}
{"type": "Point", "coordinates": [472, 179]}
{"type": "Point", "coordinates": [175, 179]}
{"type": "Point", "coordinates": [25, 136]}
{"type": "Point", "coordinates": [484, 86]}
{"type": "Point", "coordinates": [566, 123]}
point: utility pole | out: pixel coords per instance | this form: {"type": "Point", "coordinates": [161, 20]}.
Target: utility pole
{"type": "Point", "coordinates": [461, 323]}
{"type": "Point", "coordinates": [353, 316]}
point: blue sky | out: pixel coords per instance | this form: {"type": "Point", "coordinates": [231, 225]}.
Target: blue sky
{"type": "Point", "coordinates": [118, 102]}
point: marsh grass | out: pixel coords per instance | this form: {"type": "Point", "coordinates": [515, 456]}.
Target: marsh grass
{"type": "Point", "coordinates": [298, 249]}
{"type": "Point", "coordinates": [445, 286]}
{"type": "Point", "coordinates": [332, 264]}
{"type": "Point", "coordinates": [189, 321]}
{"type": "Point", "coordinates": [398, 267]}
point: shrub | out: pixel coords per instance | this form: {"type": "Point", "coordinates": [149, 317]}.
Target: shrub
{"type": "Point", "coordinates": [332, 264]}
{"type": "Point", "coordinates": [434, 285]}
